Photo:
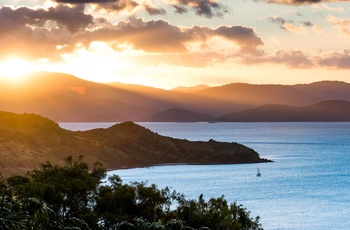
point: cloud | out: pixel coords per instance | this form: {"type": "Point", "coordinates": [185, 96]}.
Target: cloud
{"type": "Point", "coordinates": [49, 33]}
{"type": "Point", "coordinates": [298, 59]}
{"type": "Point", "coordinates": [245, 37]}
{"type": "Point", "coordinates": [295, 28]}
{"type": "Point", "coordinates": [73, 18]}
{"type": "Point", "coordinates": [327, 8]}
{"type": "Point", "coordinates": [338, 60]}
{"type": "Point", "coordinates": [317, 29]}
{"type": "Point", "coordinates": [290, 26]}
{"type": "Point", "coordinates": [291, 58]}
{"type": "Point", "coordinates": [116, 6]}
{"type": "Point", "coordinates": [161, 36]}
{"type": "Point", "coordinates": [152, 10]}
{"type": "Point", "coordinates": [180, 9]}
{"type": "Point", "coordinates": [307, 24]}
{"type": "Point", "coordinates": [205, 8]}
{"type": "Point", "coordinates": [150, 36]}
{"type": "Point", "coordinates": [84, 1]}
{"type": "Point", "coordinates": [37, 33]}
{"type": "Point", "coordinates": [296, 2]}
{"type": "Point", "coordinates": [93, 1]}
{"type": "Point", "coordinates": [277, 20]}
{"type": "Point", "coordinates": [343, 25]}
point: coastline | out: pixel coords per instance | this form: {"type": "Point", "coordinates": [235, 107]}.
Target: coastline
{"type": "Point", "coordinates": [175, 164]}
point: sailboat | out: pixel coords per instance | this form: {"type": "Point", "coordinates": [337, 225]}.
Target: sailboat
{"type": "Point", "coordinates": [258, 174]}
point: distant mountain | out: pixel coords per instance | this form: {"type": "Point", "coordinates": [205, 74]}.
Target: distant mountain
{"type": "Point", "coordinates": [177, 115]}
{"type": "Point", "coordinates": [63, 97]}
{"type": "Point", "coordinates": [239, 96]}
{"type": "Point", "coordinates": [333, 110]}
{"type": "Point", "coordinates": [160, 99]}
{"type": "Point", "coordinates": [26, 140]}
{"type": "Point", "coordinates": [330, 90]}
{"type": "Point", "coordinates": [190, 89]}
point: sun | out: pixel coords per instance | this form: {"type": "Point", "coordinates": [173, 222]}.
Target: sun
{"type": "Point", "coordinates": [15, 69]}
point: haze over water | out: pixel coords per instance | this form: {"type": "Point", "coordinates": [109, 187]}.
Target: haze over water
{"type": "Point", "coordinates": [307, 187]}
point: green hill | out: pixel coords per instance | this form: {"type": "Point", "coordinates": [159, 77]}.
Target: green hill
{"type": "Point", "coordinates": [26, 140]}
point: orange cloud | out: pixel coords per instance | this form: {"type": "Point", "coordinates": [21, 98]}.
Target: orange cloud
{"type": "Point", "coordinates": [40, 33]}
{"type": "Point", "coordinates": [343, 25]}
{"type": "Point", "coordinates": [298, 2]}
{"type": "Point", "coordinates": [161, 36]}
{"type": "Point", "coordinates": [338, 60]}
{"type": "Point", "coordinates": [36, 33]}
{"type": "Point", "coordinates": [290, 58]}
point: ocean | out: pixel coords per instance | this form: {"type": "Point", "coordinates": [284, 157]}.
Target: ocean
{"type": "Point", "coordinates": [306, 187]}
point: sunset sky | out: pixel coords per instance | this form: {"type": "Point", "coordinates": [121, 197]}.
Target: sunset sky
{"type": "Point", "coordinates": [168, 43]}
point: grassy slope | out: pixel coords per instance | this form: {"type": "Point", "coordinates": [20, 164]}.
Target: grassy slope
{"type": "Point", "coordinates": [26, 140]}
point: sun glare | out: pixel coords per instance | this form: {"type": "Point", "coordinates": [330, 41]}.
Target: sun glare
{"type": "Point", "coordinates": [15, 69]}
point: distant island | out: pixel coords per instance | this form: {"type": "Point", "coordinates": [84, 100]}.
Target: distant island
{"type": "Point", "coordinates": [27, 140]}
{"type": "Point", "coordinates": [66, 98]}
{"type": "Point", "coordinates": [325, 111]}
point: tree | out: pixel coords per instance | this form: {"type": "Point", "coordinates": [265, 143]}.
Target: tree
{"type": "Point", "coordinates": [68, 190]}
{"type": "Point", "coordinates": [152, 203]}
{"type": "Point", "coordinates": [115, 202]}
{"type": "Point", "coordinates": [215, 214]}
{"type": "Point", "coordinates": [73, 197]}
{"type": "Point", "coordinates": [11, 214]}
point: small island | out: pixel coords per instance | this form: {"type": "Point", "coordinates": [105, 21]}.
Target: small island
{"type": "Point", "coordinates": [27, 140]}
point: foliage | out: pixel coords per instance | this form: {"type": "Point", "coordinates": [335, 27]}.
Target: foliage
{"type": "Point", "coordinates": [73, 197]}
{"type": "Point", "coordinates": [215, 214]}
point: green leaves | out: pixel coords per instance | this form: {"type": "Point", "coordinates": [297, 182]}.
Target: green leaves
{"type": "Point", "coordinates": [72, 197]}
{"type": "Point", "coordinates": [11, 215]}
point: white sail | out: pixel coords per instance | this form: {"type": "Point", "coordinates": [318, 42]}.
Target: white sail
{"type": "Point", "coordinates": [258, 174]}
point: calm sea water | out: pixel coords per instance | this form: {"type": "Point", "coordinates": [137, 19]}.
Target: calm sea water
{"type": "Point", "coordinates": [307, 187]}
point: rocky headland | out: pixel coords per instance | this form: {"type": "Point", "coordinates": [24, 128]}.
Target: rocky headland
{"type": "Point", "coordinates": [27, 140]}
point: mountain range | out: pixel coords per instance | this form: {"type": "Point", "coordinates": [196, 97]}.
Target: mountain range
{"type": "Point", "coordinates": [66, 98]}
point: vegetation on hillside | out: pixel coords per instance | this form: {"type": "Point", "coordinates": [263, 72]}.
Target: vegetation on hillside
{"type": "Point", "coordinates": [73, 196]}
{"type": "Point", "coordinates": [26, 140]}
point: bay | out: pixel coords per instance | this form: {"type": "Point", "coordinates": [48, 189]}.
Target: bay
{"type": "Point", "coordinates": [306, 187]}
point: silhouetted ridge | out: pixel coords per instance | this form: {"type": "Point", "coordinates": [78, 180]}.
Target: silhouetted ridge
{"type": "Point", "coordinates": [66, 98]}
{"type": "Point", "coordinates": [332, 110]}
{"type": "Point", "coordinates": [327, 90]}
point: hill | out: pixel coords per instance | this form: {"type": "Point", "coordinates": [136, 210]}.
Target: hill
{"type": "Point", "coordinates": [26, 140]}
{"type": "Point", "coordinates": [63, 97]}
{"type": "Point", "coordinates": [330, 90]}
{"type": "Point", "coordinates": [333, 110]}
{"type": "Point", "coordinates": [190, 89]}
{"type": "Point", "coordinates": [177, 115]}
